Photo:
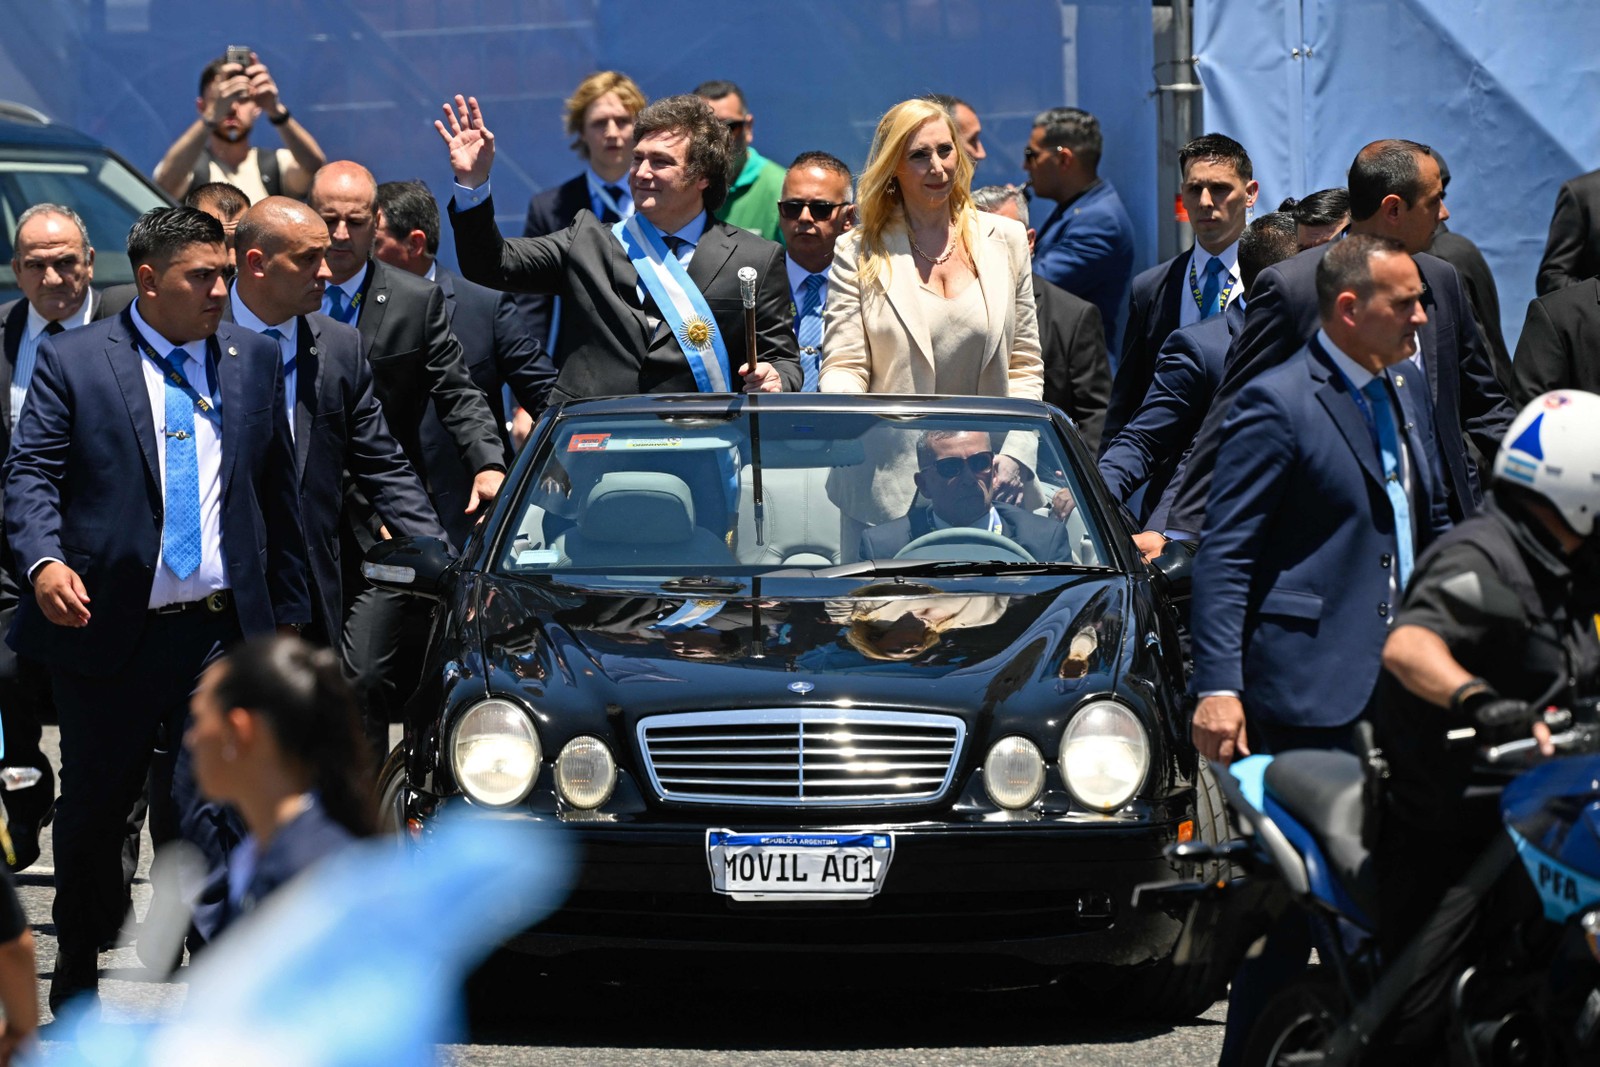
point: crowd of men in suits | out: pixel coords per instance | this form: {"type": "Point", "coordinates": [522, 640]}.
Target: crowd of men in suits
{"type": "Point", "coordinates": [207, 453]}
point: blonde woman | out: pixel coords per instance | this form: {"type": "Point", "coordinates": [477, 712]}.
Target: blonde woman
{"type": "Point", "coordinates": [929, 296]}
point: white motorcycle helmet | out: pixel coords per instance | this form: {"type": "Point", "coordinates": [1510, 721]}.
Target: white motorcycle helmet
{"type": "Point", "coordinates": [1553, 450]}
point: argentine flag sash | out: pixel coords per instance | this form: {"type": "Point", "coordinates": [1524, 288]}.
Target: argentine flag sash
{"type": "Point", "coordinates": [680, 300]}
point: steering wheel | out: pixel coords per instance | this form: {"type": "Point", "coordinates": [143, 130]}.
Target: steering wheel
{"type": "Point", "coordinates": [936, 544]}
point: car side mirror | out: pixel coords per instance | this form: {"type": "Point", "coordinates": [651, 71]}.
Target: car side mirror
{"type": "Point", "coordinates": [1176, 565]}
{"type": "Point", "coordinates": [414, 565]}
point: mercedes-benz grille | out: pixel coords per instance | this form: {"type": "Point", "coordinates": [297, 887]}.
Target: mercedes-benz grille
{"type": "Point", "coordinates": [814, 758]}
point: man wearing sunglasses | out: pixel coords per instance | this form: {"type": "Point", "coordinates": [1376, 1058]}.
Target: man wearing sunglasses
{"type": "Point", "coordinates": [815, 209]}
{"type": "Point", "coordinates": [755, 183]}
{"type": "Point", "coordinates": [955, 473]}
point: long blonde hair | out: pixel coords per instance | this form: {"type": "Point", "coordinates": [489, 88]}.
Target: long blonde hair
{"type": "Point", "coordinates": [878, 202]}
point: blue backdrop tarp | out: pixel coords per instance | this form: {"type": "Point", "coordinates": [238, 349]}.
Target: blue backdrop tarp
{"type": "Point", "coordinates": [1503, 90]}
{"type": "Point", "coordinates": [367, 77]}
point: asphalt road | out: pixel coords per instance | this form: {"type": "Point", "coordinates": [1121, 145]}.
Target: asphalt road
{"type": "Point", "coordinates": [708, 1025]}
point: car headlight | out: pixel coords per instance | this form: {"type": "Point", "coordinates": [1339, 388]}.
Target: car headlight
{"type": "Point", "coordinates": [586, 773]}
{"type": "Point", "coordinates": [1104, 755]}
{"type": "Point", "coordinates": [1591, 931]}
{"type": "Point", "coordinates": [1013, 773]}
{"type": "Point", "coordinates": [495, 753]}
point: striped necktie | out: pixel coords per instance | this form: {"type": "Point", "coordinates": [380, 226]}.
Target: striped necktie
{"type": "Point", "coordinates": [808, 331]}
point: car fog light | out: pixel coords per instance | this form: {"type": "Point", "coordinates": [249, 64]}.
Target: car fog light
{"type": "Point", "coordinates": [1013, 774]}
{"type": "Point", "coordinates": [586, 773]}
{"type": "Point", "coordinates": [1104, 755]}
{"type": "Point", "coordinates": [495, 753]}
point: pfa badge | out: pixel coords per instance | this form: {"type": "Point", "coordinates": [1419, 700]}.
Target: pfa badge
{"type": "Point", "coordinates": [696, 332]}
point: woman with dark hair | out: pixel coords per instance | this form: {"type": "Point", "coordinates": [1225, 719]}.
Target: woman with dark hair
{"type": "Point", "coordinates": [276, 734]}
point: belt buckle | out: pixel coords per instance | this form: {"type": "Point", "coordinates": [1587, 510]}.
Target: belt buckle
{"type": "Point", "coordinates": [217, 602]}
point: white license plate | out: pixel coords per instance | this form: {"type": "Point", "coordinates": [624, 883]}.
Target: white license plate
{"type": "Point", "coordinates": [798, 866]}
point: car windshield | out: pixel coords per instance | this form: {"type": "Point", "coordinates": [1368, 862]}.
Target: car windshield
{"type": "Point", "coordinates": [822, 493]}
{"type": "Point", "coordinates": [105, 194]}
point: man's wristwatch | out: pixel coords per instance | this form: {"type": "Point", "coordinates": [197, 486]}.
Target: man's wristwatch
{"type": "Point", "coordinates": [281, 117]}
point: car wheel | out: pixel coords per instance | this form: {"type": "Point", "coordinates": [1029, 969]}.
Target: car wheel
{"type": "Point", "coordinates": [1298, 1020]}
{"type": "Point", "coordinates": [391, 792]}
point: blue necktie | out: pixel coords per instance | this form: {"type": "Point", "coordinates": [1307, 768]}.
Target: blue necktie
{"type": "Point", "coordinates": [277, 335]}
{"type": "Point", "coordinates": [336, 307]}
{"type": "Point", "coordinates": [1212, 289]}
{"type": "Point", "coordinates": [180, 529]}
{"type": "Point", "coordinates": [808, 331]}
{"type": "Point", "coordinates": [1393, 477]}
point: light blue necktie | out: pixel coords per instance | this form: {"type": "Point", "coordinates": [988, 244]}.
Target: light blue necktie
{"type": "Point", "coordinates": [1212, 289]}
{"type": "Point", "coordinates": [808, 331]}
{"type": "Point", "coordinates": [336, 307]}
{"type": "Point", "coordinates": [1377, 395]}
{"type": "Point", "coordinates": [277, 335]}
{"type": "Point", "coordinates": [180, 529]}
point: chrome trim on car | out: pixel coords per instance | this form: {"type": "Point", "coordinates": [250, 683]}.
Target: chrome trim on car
{"type": "Point", "coordinates": [801, 757]}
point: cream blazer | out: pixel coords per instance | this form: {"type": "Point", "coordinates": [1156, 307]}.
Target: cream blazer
{"type": "Point", "coordinates": [879, 342]}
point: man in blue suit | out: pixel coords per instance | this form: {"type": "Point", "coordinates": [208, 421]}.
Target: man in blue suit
{"type": "Point", "coordinates": [1086, 245]}
{"type": "Point", "coordinates": [1395, 191]}
{"type": "Point", "coordinates": [152, 538]}
{"type": "Point", "coordinates": [1187, 373]}
{"type": "Point", "coordinates": [1218, 191]}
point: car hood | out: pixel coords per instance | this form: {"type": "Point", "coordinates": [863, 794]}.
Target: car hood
{"type": "Point", "coordinates": [969, 646]}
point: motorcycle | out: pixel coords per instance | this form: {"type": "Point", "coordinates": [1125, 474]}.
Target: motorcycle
{"type": "Point", "coordinates": [1532, 997]}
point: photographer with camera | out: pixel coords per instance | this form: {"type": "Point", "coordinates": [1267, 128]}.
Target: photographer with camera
{"type": "Point", "coordinates": [1499, 618]}
{"type": "Point", "coordinates": [235, 90]}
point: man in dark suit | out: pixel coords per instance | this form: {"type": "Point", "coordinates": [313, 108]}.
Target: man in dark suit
{"type": "Point", "coordinates": [1188, 371]}
{"type": "Point", "coordinates": [53, 263]}
{"type": "Point", "coordinates": [679, 176]}
{"type": "Point", "coordinates": [1077, 376]}
{"type": "Point", "coordinates": [955, 474]}
{"type": "Point", "coordinates": [599, 116]}
{"type": "Point", "coordinates": [815, 208]}
{"type": "Point", "coordinates": [1572, 251]}
{"type": "Point", "coordinates": [405, 335]}
{"type": "Point", "coordinates": [1086, 244]}
{"type": "Point", "coordinates": [1326, 492]}
{"type": "Point", "coordinates": [150, 541]}
{"type": "Point", "coordinates": [1218, 191]}
{"type": "Point", "coordinates": [499, 349]}
{"type": "Point", "coordinates": [1478, 281]}
{"type": "Point", "coordinates": [1559, 340]}
{"type": "Point", "coordinates": [1395, 191]}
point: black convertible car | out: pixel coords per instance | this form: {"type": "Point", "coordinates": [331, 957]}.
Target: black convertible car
{"type": "Point", "coordinates": [818, 677]}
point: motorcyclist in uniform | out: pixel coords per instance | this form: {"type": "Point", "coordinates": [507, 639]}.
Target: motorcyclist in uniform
{"type": "Point", "coordinates": [1500, 609]}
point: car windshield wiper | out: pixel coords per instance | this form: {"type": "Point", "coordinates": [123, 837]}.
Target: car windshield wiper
{"type": "Point", "coordinates": [929, 567]}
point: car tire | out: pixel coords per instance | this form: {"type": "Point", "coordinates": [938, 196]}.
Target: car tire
{"type": "Point", "coordinates": [391, 792]}
{"type": "Point", "coordinates": [1298, 1020]}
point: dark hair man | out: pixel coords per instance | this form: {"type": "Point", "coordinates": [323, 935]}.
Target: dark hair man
{"type": "Point", "coordinates": [1572, 250]}
{"type": "Point", "coordinates": [1320, 216]}
{"type": "Point", "coordinates": [498, 348]}
{"type": "Point", "coordinates": [1478, 281]}
{"type": "Point", "coordinates": [216, 146]}
{"type": "Point", "coordinates": [151, 541]}
{"type": "Point", "coordinates": [692, 331]}
{"type": "Point", "coordinates": [225, 203]}
{"type": "Point", "coordinates": [817, 205]}
{"type": "Point", "coordinates": [754, 181]}
{"type": "Point", "coordinates": [1218, 191]}
{"type": "Point", "coordinates": [968, 127]}
{"type": "Point", "coordinates": [1086, 244]}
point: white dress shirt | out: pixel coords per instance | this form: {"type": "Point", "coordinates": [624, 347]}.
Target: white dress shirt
{"type": "Point", "coordinates": [212, 574]}
{"type": "Point", "coordinates": [1194, 277]}
{"type": "Point", "coordinates": [287, 346]}
{"type": "Point", "coordinates": [28, 351]}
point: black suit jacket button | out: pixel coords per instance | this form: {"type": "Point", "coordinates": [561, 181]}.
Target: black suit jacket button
{"type": "Point", "coordinates": [1385, 560]}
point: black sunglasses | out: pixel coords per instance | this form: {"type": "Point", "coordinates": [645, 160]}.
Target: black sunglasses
{"type": "Point", "coordinates": [1030, 154]}
{"type": "Point", "coordinates": [949, 467]}
{"type": "Point", "coordinates": [821, 210]}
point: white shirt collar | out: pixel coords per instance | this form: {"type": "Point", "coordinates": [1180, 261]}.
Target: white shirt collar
{"type": "Point", "coordinates": [1229, 257]}
{"type": "Point", "coordinates": [243, 316]}
{"type": "Point", "coordinates": [37, 322]}
{"type": "Point", "coordinates": [433, 272]}
{"type": "Point", "coordinates": [195, 350]}
{"type": "Point", "coordinates": [352, 285]}
{"type": "Point", "coordinates": [692, 231]}
{"type": "Point", "coordinates": [1359, 376]}
{"type": "Point", "coordinates": [798, 275]}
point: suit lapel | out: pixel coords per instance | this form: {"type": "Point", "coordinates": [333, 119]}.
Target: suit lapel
{"type": "Point", "coordinates": [710, 255]}
{"type": "Point", "coordinates": [1169, 301]}
{"type": "Point", "coordinates": [308, 363]}
{"type": "Point", "coordinates": [15, 325]}
{"type": "Point", "coordinates": [1341, 407]}
{"type": "Point", "coordinates": [232, 369]}
{"type": "Point", "coordinates": [127, 365]}
{"type": "Point", "coordinates": [902, 292]}
{"type": "Point", "coordinates": [1412, 425]}
{"type": "Point", "coordinates": [374, 299]}
{"type": "Point", "coordinates": [1428, 335]}
{"type": "Point", "coordinates": [447, 286]}
{"type": "Point", "coordinates": [991, 261]}
{"type": "Point", "coordinates": [626, 284]}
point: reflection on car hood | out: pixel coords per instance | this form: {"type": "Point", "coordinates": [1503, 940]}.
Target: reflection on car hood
{"type": "Point", "coordinates": [961, 644]}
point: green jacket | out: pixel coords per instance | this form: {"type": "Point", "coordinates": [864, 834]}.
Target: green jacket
{"type": "Point", "coordinates": [752, 202]}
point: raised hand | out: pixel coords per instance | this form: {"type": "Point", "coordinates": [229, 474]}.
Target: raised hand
{"type": "Point", "coordinates": [470, 143]}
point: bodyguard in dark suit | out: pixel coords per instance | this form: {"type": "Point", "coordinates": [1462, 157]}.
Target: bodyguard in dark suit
{"type": "Point", "coordinates": [53, 263]}
{"type": "Point", "coordinates": [955, 474]}
{"type": "Point", "coordinates": [1394, 191]}
{"type": "Point", "coordinates": [499, 350]}
{"type": "Point", "coordinates": [599, 116]}
{"type": "Point", "coordinates": [1478, 280]}
{"type": "Point", "coordinates": [1572, 251]}
{"type": "Point", "coordinates": [1188, 372]}
{"type": "Point", "coordinates": [1560, 343]}
{"type": "Point", "coordinates": [151, 540]}
{"type": "Point", "coordinates": [679, 176]}
{"type": "Point", "coordinates": [1218, 191]}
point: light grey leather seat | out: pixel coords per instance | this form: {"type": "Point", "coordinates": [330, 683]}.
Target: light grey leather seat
{"type": "Point", "coordinates": [640, 518]}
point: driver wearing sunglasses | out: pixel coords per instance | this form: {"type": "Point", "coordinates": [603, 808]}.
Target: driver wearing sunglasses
{"type": "Point", "coordinates": [955, 474]}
